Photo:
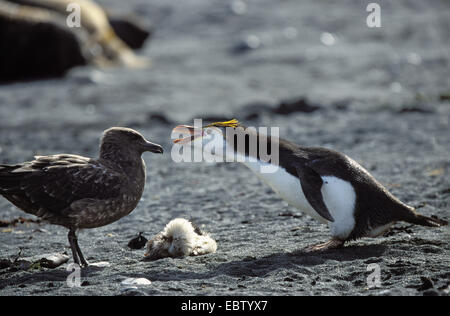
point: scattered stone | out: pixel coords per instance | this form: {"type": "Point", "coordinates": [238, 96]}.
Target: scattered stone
{"type": "Point", "coordinates": [101, 264]}
{"type": "Point", "coordinates": [238, 7]}
{"type": "Point", "coordinates": [247, 44]}
{"type": "Point", "coordinates": [35, 49]}
{"type": "Point", "coordinates": [385, 293]}
{"type": "Point", "coordinates": [447, 290]}
{"type": "Point", "coordinates": [159, 118]}
{"type": "Point", "coordinates": [5, 263]}
{"type": "Point", "coordinates": [178, 239]}
{"type": "Point", "coordinates": [414, 109]}
{"type": "Point", "coordinates": [137, 242]}
{"type": "Point", "coordinates": [427, 284]}
{"type": "Point", "coordinates": [131, 291]}
{"type": "Point", "coordinates": [130, 30]}
{"type": "Point", "coordinates": [430, 293]}
{"type": "Point", "coordinates": [19, 220]}
{"type": "Point", "coordinates": [373, 260]}
{"type": "Point", "coordinates": [36, 42]}
{"type": "Point", "coordinates": [50, 261]}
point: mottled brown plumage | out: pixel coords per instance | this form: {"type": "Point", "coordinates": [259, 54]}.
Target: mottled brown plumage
{"type": "Point", "coordinates": [78, 192]}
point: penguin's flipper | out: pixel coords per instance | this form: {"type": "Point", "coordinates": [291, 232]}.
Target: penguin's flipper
{"type": "Point", "coordinates": [311, 184]}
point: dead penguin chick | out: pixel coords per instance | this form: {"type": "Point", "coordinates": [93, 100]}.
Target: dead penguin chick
{"type": "Point", "coordinates": [178, 239]}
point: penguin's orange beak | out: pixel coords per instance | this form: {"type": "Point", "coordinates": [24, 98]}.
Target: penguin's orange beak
{"type": "Point", "coordinates": [189, 134]}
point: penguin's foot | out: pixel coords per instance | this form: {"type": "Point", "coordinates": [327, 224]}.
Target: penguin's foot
{"type": "Point", "coordinates": [331, 244]}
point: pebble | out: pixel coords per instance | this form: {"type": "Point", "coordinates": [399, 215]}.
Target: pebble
{"type": "Point", "coordinates": [248, 43]}
{"type": "Point", "coordinates": [138, 242]}
{"type": "Point", "coordinates": [327, 39]}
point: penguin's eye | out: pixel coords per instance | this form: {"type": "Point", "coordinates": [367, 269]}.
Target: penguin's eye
{"type": "Point", "coordinates": [208, 131]}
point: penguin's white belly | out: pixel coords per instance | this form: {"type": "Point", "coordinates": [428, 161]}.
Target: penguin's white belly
{"type": "Point", "coordinates": [338, 195]}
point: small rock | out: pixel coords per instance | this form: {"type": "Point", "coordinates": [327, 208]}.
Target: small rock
{"type": "Point", "coordinates": [238, 7]}
{"type": "Point", "coordinates": [131, 291]}
{"type": "Point", "coordinates": [288, 279]}
{"type": "Point", "coordinates": [447, 290]}
{"type": "Point", "coordinates": [50, 261]}
{"type": "Point", "coordinates": [130, 30]}
{"type": "Point", "coordinates": [415, 109]}
{"type": "Point", "coordinates": [373, 260]}
{"type": "Point", "coordinates": [138, 242]}
{"type": "Point", "coordinates": [295, 105]}
{"type": "Point", "coordinates": [53, 260]}
{"type": "Point", "coordinates": [5, 263]}
{"type": "Point", "coordinates": [101, 264]}
{"type": "Point", "coordinates": [136, 281]}
{"type": "Point", "coordinates": [159, 118]}
{"type": "Point", "coordinates": [327, 39]}
{"type": "Point", "coordinates": [430, 293]}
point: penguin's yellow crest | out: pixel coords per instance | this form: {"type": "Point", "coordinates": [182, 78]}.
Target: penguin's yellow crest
{"type": "Point", "coordinates": [231, 123]}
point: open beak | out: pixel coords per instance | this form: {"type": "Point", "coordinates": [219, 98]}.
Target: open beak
{"type": "Point", "coordinates": [190, 133]}
{"type": "Point", "coordinates": [154, 148]}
